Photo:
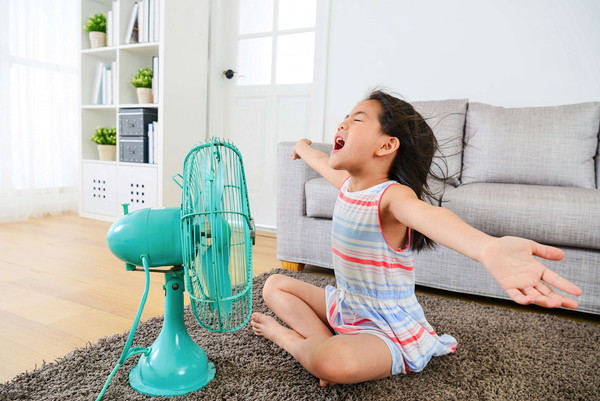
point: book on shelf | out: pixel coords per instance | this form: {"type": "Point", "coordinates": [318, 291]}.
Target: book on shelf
{"type": "Point", "coordinates": [144, 22]}
{"type": "Point", "coordinates": [97, 85]}
{"type": "Point", "coordinates": [131, 33]}
{"type": "Point", "coordinates": [109, 28]}
{"type": "Point", "coordinates": [151, 21]}
{"type": "Point", "coordinates": [116, 18]}
{"type": "Point", "coordinates": [153, 129]}
{"type": "Point", "coordinates": [115, 85]}
{"type": "Point", "coordinates": [141, 22]}
{"type": "Point", "coordinates": [104, 84]}
{"type": "Point", "coordinates": [155, 78]}
{"type": "Point", "coordinates": [156, 24]}
{"type": "Point", "coordinates": [111, 25]}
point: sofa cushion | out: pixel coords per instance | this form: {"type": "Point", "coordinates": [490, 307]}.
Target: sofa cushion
{"type": "Point", "coordinates": [552, 215]}
{"type": "Point", "coordinates": [533, 145]}
{"type": "Point", "coordinates": [320, 198]}
{"type": "Point", "coordinates": [447, 120]}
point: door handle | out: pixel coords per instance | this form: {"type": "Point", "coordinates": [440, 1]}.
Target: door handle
{"type": "Point", "coordinates": [229, 73]}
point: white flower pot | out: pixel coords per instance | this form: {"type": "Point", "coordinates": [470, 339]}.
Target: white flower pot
{"type": "Point", "coordinates": [144, 95]}
{"type": "Point", "coordinates": [107, 152]}
{"type": "Point", "coordinates": [97, 39]}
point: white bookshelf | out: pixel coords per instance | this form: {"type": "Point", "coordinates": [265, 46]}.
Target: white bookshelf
{"type": "Point", "coordinates": [182, 49]}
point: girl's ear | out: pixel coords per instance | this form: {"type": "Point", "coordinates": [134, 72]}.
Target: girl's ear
{"type": "Point", "coordinates": [390, 145]}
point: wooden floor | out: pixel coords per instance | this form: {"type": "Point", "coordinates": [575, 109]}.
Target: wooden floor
{"type": "Point", "coordinates": [61, 288]}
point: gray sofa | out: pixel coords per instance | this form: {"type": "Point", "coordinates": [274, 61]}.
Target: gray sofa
{"type": "Point", "coordinates": [531, 172]}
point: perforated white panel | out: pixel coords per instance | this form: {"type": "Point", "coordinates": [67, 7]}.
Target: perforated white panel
{"type": "Point", "coordinates": [138, 187]}
{"type": "Point", "coordinates": [99, 188]}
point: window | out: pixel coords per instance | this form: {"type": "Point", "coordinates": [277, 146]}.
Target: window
{"type": "Point", "coordinates": [38, 107]}
{"type": "Point", "coordinates": [276, 41]}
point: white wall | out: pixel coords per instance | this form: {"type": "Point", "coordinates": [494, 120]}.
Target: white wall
{"type": "Point", "coordinates": [510, 53]}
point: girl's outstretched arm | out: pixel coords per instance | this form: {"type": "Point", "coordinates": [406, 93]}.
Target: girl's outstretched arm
{"type": "Point", "coordinates": [510, 260]}
{"type": "Point", "coordinates": [319, 162]}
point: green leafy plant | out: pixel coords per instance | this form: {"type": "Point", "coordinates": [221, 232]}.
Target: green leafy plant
{"type": "Point", "coordinates": [105, 136]}
{"type": "Point", "coordinates": [96, 23]}
{"type": "Point", "coordinates": [143, 78]}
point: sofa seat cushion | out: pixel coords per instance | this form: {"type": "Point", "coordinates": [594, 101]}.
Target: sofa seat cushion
{"type": "Point", "coordinates": [320, 198]}
{"type": "Point", "coordinates": [532, 145]}
{"type": "Point", "coordinates": [557, 216]}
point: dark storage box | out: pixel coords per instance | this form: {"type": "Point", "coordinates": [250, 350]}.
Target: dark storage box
{"type": "Point", "coordinates": [134, 122]}
{"type": "Point", "coordinates": [133, 149]}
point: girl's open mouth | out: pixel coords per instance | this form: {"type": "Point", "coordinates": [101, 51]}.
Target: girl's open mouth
{"type": "Point", "coordinates": [338, 143]}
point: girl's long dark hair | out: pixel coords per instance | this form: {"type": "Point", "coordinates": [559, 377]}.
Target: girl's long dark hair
{"type": "Point", "coordinates": [418, 144]}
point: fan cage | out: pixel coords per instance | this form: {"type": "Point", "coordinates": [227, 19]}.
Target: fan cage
{"type": "Point", "coordinates": [216, 237]}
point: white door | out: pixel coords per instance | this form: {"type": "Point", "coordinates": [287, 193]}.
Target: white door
{"type": "Point", "coordinates": [275, 51]}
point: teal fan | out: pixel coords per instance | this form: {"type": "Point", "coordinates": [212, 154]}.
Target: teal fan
{"type": "Point", "coordinates": [207, 243]}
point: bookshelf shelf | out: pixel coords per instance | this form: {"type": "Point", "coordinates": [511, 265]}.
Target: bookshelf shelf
{"type": "Point", "coordinates": [138, 105]}
{"type": "Point", "coordinates": [108, 163]}
{"type": "Point", "coordinates": [100, 50]}
{"type": "Point", "coordinates": [99, 106]}
{"type": "Point", "coordinates": [142, 48]}
{"type": "Point", "coordinates": [181, 116]}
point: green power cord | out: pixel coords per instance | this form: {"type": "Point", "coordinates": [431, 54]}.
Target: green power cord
{"type": "Point", "coordinates": [128, 352]}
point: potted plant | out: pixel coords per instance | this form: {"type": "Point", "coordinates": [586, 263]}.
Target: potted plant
{"type": "Point", "coordinates": [106, 139]}
{"type": "Point", "coordinates": [96, 26]}
{"type": "Point", "coordinates": [142, 81]}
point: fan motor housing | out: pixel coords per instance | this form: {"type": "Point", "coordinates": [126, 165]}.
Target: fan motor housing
{"type": "Point", "coordinates": [152, 232]}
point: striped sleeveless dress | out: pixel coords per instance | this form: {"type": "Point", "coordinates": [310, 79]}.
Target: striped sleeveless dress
{"type": "Point", "coordinates": [375, 291]}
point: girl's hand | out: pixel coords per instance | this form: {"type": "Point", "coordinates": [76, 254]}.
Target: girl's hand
{"type": "Point", "coordinates": [510, 261]}
{"type": "Point", "coordinates": [301, 142]}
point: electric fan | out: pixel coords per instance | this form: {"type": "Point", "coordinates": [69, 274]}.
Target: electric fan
{"type": "Point", "coordinates": [208, 243]}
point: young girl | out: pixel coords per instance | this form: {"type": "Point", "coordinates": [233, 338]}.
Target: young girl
{"type": "Point", "coordinates": [371, 326]}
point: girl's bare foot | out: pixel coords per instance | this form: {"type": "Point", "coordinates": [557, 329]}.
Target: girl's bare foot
{"type": "Point", "coordinates": [269, 328]}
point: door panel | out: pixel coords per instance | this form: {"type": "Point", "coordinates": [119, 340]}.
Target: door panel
{"type": "Point", "coordinates": [246, 131]}
{"type": "Point", "coordinates": [292, 118]}
{"type": "Point", "coordinates": [276, 48]}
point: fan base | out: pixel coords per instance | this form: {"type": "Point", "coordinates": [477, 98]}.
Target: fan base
{"type": "Point", "coordinates": [142, 381]}
{"type": "Point", "coordinates": [174, 364]}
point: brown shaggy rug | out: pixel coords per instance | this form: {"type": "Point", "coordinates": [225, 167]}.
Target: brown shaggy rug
{"type": "Point", "coordinates": [503, 355]}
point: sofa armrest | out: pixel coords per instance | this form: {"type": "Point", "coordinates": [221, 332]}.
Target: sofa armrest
{"type": "Point", "coordinates": [292, 176]}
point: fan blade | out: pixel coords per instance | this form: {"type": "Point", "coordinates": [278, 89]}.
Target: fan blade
{"type": "Point", "coordinates": [215, 266]}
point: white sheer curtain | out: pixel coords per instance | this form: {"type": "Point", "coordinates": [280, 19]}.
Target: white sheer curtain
{"type": "Point", "coordinates": [38, 107]}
